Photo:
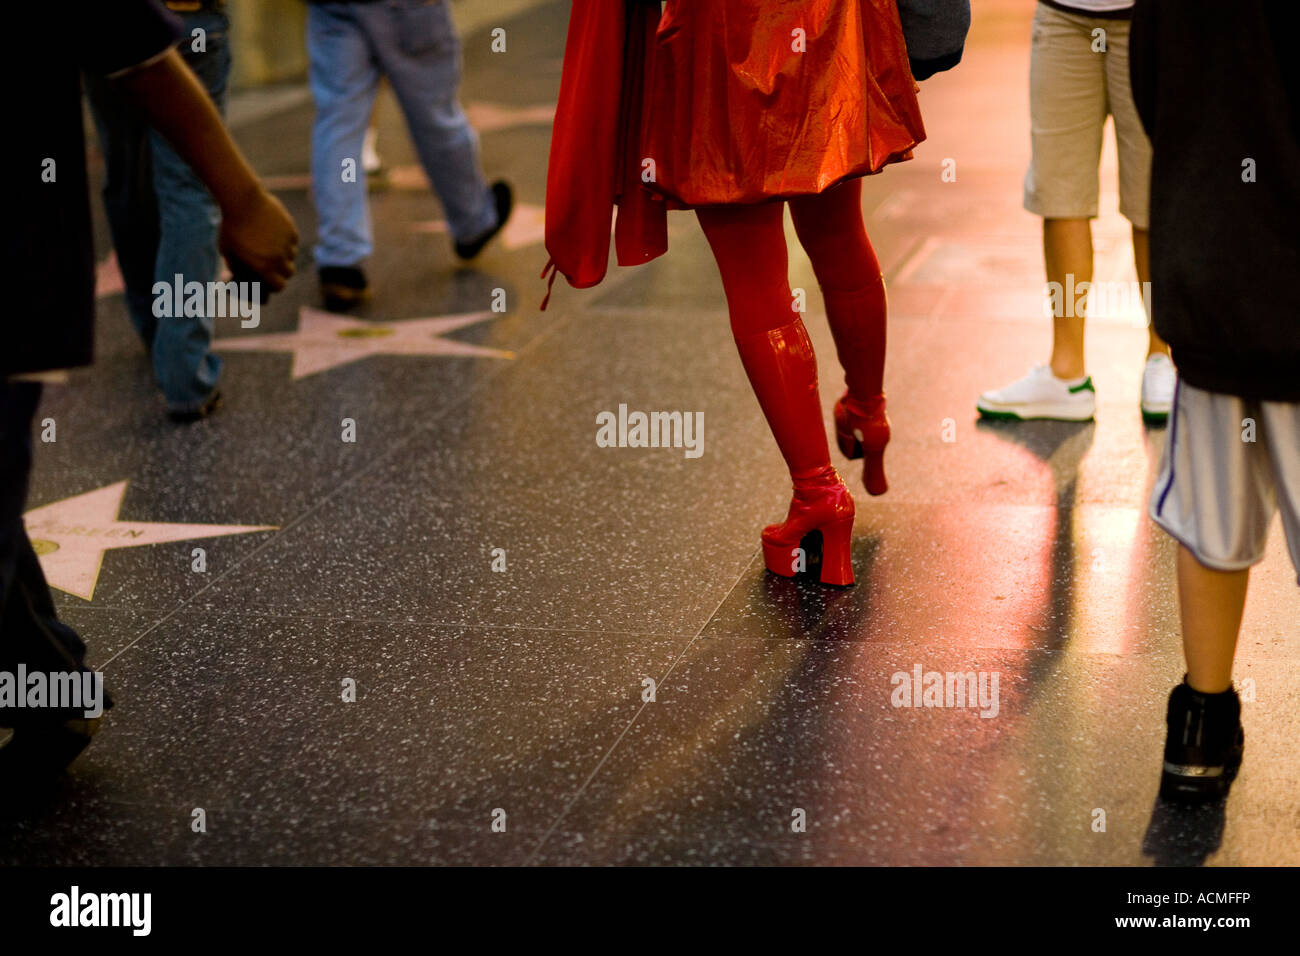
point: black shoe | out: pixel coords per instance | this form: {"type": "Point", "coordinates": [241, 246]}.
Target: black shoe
{"type": "Point", "coordinates": [342, 287]}
{"type": "Point", "coordinates": [505, 201]}
{"type": "Point", "coordinates": [1204, 745]}
{"type": "Point", "coordinates": [186, 416]}
{"type": "Point", "coordinates": [45, 749]}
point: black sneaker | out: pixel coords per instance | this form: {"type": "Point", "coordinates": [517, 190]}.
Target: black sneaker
{"type": "Point", "coordinates": [187, 416]}
{"type": "Point", "coordinates": [505, 201]}
{"type": "Point", "coordinates": [1204, 746]}
{"type": "Point", "coordinates": [342, 287]}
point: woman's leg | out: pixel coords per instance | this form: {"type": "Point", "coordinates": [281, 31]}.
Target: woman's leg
{"type": "Point", "coordinates": [748, 243]}
{"type": "Point", "coordinates": [832, 232]}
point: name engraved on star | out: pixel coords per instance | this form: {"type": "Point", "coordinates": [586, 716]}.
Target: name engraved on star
{"type": "Point", "coordinates": [71, 536]}
{"type": "Point", "coordinates": [49, 527]}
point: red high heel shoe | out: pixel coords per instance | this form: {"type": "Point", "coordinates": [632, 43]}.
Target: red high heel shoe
{"type": "Point", "coordinates": [822, 502]}
{"type": "Point", "coordinates": [783, 371]}
{"type": "Point", "coordinates": [862, 431]}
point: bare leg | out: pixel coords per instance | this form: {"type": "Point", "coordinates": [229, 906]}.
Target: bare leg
{"type": "Point", "coordinates": [1067, 251]}
{"type": "Point", "coordinates": [1142, 259]}
{"type": "Point", "coordinates": [1210, 604]}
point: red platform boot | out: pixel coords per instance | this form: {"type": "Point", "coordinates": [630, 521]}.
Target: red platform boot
{"type": "Point", "coordinates": [862, 431]}
{"type": "Point", "coordinates": [822, 502]}
{"type": "Point", "coordinates": [857, 321]}
{"type": "Point", "coordinates": [783, 372]}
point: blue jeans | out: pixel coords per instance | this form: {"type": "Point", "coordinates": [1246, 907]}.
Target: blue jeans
{"type": "Point", "coordinates": [163, 220]}
{"type": "Point", "coordinates": [413, 43]}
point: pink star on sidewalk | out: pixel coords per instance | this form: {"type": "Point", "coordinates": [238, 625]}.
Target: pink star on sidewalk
{"type": "Point", "coordinates": [71, 536]}
{"type": "Point", "coordinates": [325, 340]}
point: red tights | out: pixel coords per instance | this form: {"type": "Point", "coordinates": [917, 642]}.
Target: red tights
{"type": "Point", "coordinates": [748, 243]}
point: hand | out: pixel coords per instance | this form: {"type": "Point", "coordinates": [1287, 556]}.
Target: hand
{"type": "Point", "coordinates": [259, 233]}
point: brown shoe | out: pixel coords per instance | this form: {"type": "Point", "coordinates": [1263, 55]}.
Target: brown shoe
{"type": "Point", "coordinates": [343, 287]}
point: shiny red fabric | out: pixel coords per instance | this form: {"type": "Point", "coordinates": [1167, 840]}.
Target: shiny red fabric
{"type": "Point", "coordinates": [584, 174]}
{"type": "Point", "coordinates": [599, 105]}
{"type": "Point", "coordinates": [724, 101]}
{"type": "Point", "coordinates": [752, 100]}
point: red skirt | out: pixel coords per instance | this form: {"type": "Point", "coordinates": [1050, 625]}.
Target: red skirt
{"type": "Point", "coordinates": [749, 100]}
{"type": "Point", "coordinates": [720, 101]}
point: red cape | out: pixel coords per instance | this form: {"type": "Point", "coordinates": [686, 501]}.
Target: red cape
{"type": "Point", "coordinates": [597, 117]}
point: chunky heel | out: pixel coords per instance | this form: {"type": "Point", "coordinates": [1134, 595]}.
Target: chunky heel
{"type": "Point", "coordinates": [822, 503]}
{"type": "Point", "coordinates": [782, 369]}
{"type": "Point", "coordinates": [849, 445]}
{"type": "Point", "coordinates": [873, 472]}
{"type": "Point", "coordinates": [837, 557]}
{"type": "Point", "coordinates": [862, 431]}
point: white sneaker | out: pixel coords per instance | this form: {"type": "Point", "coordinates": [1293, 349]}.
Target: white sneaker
{"type": "Point", "coordinates": [1158, 378]}
{"type": "Point", "coordinates": [1040, 394]}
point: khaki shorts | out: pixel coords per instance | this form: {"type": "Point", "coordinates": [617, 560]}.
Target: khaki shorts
{"type": "Point", "coordinates": [1071, 92]}
{"type": "Point", "coordinates": [1229, 465]}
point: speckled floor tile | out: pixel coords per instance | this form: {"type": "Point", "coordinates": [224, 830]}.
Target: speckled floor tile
{"type": "Point", "coordinates": [109, 630]}
{"type": "Point", "coordinates": [1080, 580]}
{"type": "Point", "coordinates": [749, 738]}
{"type": "Point", "coordinates": [612, 538]}
{"type": "Point", "coordinates": [79, 828]}
{"type": "Point", "coordinates": [245, 718]}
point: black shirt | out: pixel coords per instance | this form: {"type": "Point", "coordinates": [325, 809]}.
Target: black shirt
{"type": "Point", "coordinates": [1218, 90]}
{"type": "Point", "coordinates": [48, 258]}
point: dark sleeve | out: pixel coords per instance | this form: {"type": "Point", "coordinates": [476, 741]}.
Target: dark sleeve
{"type": "Point", "coordinates": [112, 36]}
{"type": "Point", "coordinates": [1143, 63]}
{"type": "Point", "coordinates": [935, 32]}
